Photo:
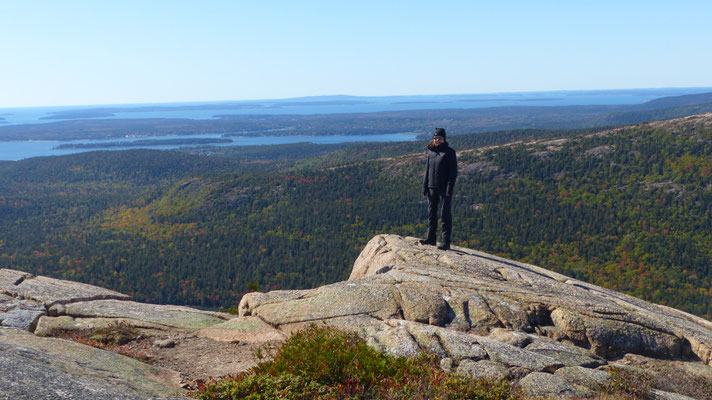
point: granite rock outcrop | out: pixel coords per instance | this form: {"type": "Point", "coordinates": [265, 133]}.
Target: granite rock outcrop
{"type": "Point", "coordinates": [483, 315]}
{"type": "Point", "coordinates": [489, 316]}
{"type": "Point", "coordinates": [35, 364]}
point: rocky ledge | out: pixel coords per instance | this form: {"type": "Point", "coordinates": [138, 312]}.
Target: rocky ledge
{"type": "Point", "coordinates": [36, 312]}
{"type": "Point", "coordinates": [485, 316]}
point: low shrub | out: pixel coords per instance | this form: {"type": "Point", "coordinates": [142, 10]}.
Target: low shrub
{"type": "Point", "coordinates": [323, 363]}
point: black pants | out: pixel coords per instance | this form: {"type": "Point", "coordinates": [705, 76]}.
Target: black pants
{"type": "Point", "coordinates": [444, 203]}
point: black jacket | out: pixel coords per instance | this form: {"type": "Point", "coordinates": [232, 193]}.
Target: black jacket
{"type": "Point", "coordinates": [440, 169]}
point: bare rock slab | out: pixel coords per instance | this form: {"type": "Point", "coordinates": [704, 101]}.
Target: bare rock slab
{"type": "Point", "coordinates": [53, 326]}
{"type": "Point", "coordinates": [10, 278]}
{"type": "Point", "coordinates": [455, 345]}
{"type": "Point", "coordinates": [542, 385]}
{"type": "Point", "coordinates": [568, 355]}
{"type": "Point", "coordinates": [243, 329]}
{"type": "Point", "coordinates": [512, 356]}
{"type": "Point", "coordinates": [662, 395]}
{"type": "Point", "coordinates": [395, 339]}
{"type": "Point", "coordinates": [21, 314]}
{"type": "Point", "coordinates": [486, 369]}
{"type": "Point", "coordinates": [60, 369]}
{"type": "Point", "coordinates": [587, 377]}
{"type": "Point", "coordinates": [331, 301]}
{"type": "Point", "coordinates": [524, 296]}
{"type": "Point", "coordinates": [172, 316]}
{"type": "Point", "coordinates": [50, 291]}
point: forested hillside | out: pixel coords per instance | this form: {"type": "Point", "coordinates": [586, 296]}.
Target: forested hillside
{"type": "Point", "coordinates": [628, 209]}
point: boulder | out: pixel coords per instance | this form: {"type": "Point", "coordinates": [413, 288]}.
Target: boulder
{"type": "Point", "coordinates": [523, 297]}
{"type": "Point", "coordinates": [256, 299]}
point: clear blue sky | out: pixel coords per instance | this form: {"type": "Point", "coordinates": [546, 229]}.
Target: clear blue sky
{"type": "Point", "coordinates": [108, 52]}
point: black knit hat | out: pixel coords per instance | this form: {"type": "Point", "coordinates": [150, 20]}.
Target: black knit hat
{"type": "Point", "coordinates": [439, 132]}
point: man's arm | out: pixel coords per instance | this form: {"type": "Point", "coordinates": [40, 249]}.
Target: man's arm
{"type": "Point", "coordinates": [452, 171]}
{"type": "Point", "coordinates": [425, 178]}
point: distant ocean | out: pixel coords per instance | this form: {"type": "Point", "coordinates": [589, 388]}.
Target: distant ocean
{"type": "Point", "coordinates": [336, 104]}
{"type": "Point", "coordinates": [302, 106]}
{"type": "Point", "coordinates": [14, 151]}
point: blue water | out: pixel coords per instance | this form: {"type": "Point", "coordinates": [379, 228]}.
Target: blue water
{"type": "Point", "coordinates": [307, 106]}
{"type": "Point", "coordinates": [351, 104]}
{"type": "Point", "coordinates": [13, 151]}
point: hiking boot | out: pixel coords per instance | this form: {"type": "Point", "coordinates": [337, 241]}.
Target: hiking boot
{"type": "Point", "coordinates": [427, 241]}
{"type": "Point", "coordinates": [444, 246]}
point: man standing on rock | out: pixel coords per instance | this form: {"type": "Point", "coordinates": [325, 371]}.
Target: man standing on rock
{"type": "Point", "coordinates": [438, 184]}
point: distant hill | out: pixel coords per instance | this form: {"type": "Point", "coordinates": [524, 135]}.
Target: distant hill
{"type": "Point", "coordinates": [660, 109]}
{"type": "Point", "coordinates": [676, 101]}
{"type": "Point", "coordinates": [458, 121]}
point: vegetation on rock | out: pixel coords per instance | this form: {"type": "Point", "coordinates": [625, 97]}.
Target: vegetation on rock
{"type": "Point", "coordinates": [323, 363]}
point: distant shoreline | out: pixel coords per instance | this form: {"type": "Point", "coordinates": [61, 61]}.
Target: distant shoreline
{"type": "Point", "coordinates": [359, 115]}
{"type": "Point", "coordinates": [144, 142]}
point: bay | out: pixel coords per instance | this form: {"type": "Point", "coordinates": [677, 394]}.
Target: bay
{"type": "Point", "coordinates": [14, 151]}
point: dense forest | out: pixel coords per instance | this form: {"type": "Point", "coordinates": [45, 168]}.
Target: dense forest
{"type": "Point", "coordinates": [628, 209]}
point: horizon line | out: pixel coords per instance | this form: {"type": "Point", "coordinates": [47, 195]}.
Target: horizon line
{"type": "Point", "coordinates": [350, 95]}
